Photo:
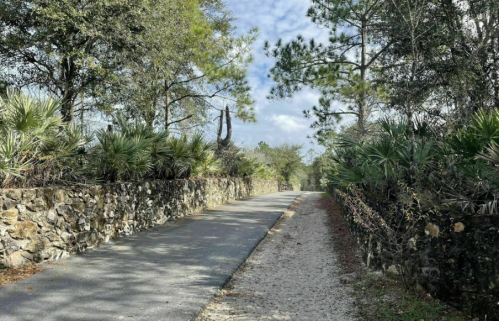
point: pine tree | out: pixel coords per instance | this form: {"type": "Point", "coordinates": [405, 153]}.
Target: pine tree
{"type": "Point", "coordinates": [339, 69]}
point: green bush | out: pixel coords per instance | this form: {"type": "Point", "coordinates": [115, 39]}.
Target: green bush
{"type": "Point", "coordinates": [135, 151]}
{"type": "Point", "coordinates": [34, 142]}
{"type": "Point", "coordinates": [454, 170]}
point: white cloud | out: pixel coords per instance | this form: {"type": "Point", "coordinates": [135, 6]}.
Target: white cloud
{"type": "Point", "coordinates": [278, 121]}
{"type": "Point", "coordinates": [289, 124]}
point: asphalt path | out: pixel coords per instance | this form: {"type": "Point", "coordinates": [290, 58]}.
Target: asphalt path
{"type": "Point", "coordinates": [166, 273]}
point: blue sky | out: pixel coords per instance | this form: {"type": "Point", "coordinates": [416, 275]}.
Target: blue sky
{"type": "Point", "coordinates": [278, 121]}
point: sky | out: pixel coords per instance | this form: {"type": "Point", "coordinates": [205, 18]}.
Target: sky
{"type": "Point", "coordinates": [277, 121]}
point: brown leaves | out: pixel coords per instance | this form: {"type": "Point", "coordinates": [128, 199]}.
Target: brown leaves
{"type": "Point", "coordinates": [8, 276]}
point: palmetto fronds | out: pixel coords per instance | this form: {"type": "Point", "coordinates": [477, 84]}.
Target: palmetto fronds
{"type": "Point", "coordinates": [136, 151]}
{"type": "Point", "coordinates": [31, 134]}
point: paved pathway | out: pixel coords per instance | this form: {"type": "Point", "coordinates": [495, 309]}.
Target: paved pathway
{"type": "Point", "coordinates": [168, 273]}
{"type": "Point", "coordinates": [293, 275]}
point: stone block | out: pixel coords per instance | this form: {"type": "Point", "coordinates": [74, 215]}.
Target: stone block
{"type": "Point", "coordinates": [14, 194]}
{"type": "Point", "coordinates": [10, 216]}
{"type": "Point", "coordinates": [37, 205]}
{"type": "Point", "coordinates": [22, 208]}
{"type": "Point", "coordinates": [67, 212]}
{"type": "Point", "coordinates": [59, 196]}
{"type": "Point", "coordinates": [24, 230]}
{"type": "Point", "coordinates": [38, 243]}
{"type": "Point", "coordinates": [29, 195]}
{"type": "Point", "coordinates": [10, 245]}
{"type": "Point", "coordinates": [60, 222]}
{"type": "Point", "coordinates": [8, 204]}
{"type": "Point", "coordinates": [78, 205]}
{"type": "Point", "coordinates": [52, 216]}
{"type": "Point", "coordinates": [15, 260]}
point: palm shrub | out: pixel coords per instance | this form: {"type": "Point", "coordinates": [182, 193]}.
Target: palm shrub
{"type": "Point", "coordinates": [457, 169]}
{"type": "Point", "coordinates": [120, 158]}
{"type": "Point", "coordinates": [136, 151]}
{"type": "Point", "coordinates": [397, 157]}
{"type": "Point", "coordinates": [205, 162]}
{"type": "Point", "coordinates": [133, 151]}
{"type": "Point", "coordinates": [181, 160]}
{"type": "Point", "coordinates": [193, 156]}
{"type": "Point", "coordinates": [473, 157]}
{"type": "Point", "coordinates": [34, 142]}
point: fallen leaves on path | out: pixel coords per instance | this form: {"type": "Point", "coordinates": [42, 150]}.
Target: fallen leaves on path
{"type": "Point", "coordinates": [8, 276]}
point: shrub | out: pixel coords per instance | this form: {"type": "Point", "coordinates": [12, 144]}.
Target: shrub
{"type": "Point", "coordinates": [136, 151]}
{"type": "Point", "coordinates": [34, 142]}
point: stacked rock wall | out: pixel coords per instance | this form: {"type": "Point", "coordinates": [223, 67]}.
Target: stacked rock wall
{"type": "Point", "coordinates": [46, 224]}
{"type": "Point", "coordinates": [455, 256]}
{"type": "Point", "coordinates": [288, 187]}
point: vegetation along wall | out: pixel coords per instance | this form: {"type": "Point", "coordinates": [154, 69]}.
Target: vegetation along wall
{"type": "Point", "coordinates": [46, 224]}
{"type": "Point", "coordinates": [455, 256]}
{"type": "Point", "coordinates": [283, 187]}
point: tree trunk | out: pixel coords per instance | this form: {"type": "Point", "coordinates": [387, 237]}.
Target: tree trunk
{"type": "Point", "coordinates": [82, 114]}
{"type": "Point", "coordinates": [495, 75]}
{"type": "Point", "coordinates": [150, 115]}
{"type": "Point", "coordinates": [229, 127]}
{"type": "Point", "coordinates": [67, 106]}
{"type": "Point", "coordinates": [167, 107]}
{"type": "Point", "coordinates": [224, 143]}
{"type": "Point", "coordinates": [363, 76]}
{"type": "Point", "coordinates": [220, 129]}
{"type": "Point", "coordinates": [69, 94]}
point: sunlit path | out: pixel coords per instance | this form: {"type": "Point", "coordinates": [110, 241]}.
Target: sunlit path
{"type": "Point", "coordinates": [167, 273]}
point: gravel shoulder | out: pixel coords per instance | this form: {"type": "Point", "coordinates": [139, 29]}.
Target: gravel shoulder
{"type": "Point", "coordinates": [292, 275]}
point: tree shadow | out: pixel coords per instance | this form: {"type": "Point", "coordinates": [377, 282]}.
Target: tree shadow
{"type": "Point", "coordinates": [165, 273]}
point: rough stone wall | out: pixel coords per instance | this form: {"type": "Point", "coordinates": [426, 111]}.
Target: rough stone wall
{"type": "Point", "coordinates": [46, 224]}
{"type": "Point", "coordinates": [455, 256]}
{"type": "Point", "coordinates": [288, 187]}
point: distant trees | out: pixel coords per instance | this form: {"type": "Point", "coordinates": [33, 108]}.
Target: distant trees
{"type": "Point", "coordinates": [285, 159]}
{"type": "Point", "coordinates": [161, 61]}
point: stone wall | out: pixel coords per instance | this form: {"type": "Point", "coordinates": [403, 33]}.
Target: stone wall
{"type": "Point", "coordinates": [46, 224]}
{"type": "Point", "coordinates": [455, 256]}
{"type": "Point", "coordinates": [288, 187]}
